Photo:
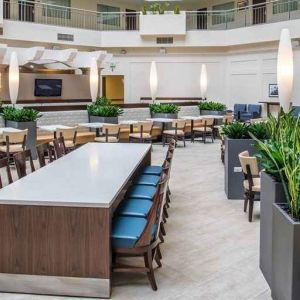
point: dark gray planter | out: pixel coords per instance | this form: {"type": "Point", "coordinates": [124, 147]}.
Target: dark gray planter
{"type": "Point", "coordinates": [233, 174]}
{"type": "Point", "coordinates": [32, 134]}
{"type": "Point", "coordinates": [96, 119]}
{"type": "Point", "coordinates": [164, 116]}
{"type": "Point", "coordinates": [286, 256]}
{"type": "Point", "coordinates": [212, 112]}
{"type": "Point", "coordinates": [271, 192]}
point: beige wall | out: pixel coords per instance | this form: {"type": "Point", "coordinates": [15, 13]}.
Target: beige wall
{"type": "Point", "coordinates": [73, 86]}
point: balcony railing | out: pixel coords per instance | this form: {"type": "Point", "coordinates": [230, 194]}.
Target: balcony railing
{"type": "Point", "coordinates": [42, 13]}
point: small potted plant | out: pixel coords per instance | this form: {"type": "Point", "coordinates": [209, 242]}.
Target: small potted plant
{"type": "Point", "coordinates": [237, 140]}
{"type": "Point", "coordinates": [23, 118]}
{"type": "Point", "coordinates": [104, 111]}
{"type": "Point", "coordinates": [177, 10]}
{"type": "Point", "coordinates": [212, 108]}
{"type": "Point", "coordinates": [167, 110]}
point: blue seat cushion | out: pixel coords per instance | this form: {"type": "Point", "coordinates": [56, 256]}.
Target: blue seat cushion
{"type": "Point", "coordinates": [126, 231]}
{"type": "Point", "coordinates": [141, 192]}
{"type": "Point", "coordinates": [152, 170]}
{"type": "Point", "coordinates": [152, 180]}
{"type": "Point", "coordinates": [135, 208]}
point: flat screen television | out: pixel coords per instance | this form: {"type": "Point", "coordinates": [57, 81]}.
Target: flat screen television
{"type": "Point", "coordinates": [47, 87]}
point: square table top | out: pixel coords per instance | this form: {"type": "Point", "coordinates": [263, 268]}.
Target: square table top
{"type": "Point", "coordinates": [161, 120]}
{"type": "Point", "coordinates": [91, 176]}
{"type": "Point", "coordinates": [9, 129]}
{"type": "Point", "coordinates": [53, 128]}
{"type": "Point", "coordinates": [93, 125]}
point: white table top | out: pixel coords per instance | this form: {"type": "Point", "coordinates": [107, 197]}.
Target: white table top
{"type": "Point", "coordinates": [9, 129]}
{"type": "Point", "coordinates": [202, 117]}
{"type": "Point", "coordinates": [128, 122]}
{"type": "Point", "coordinates": [53, 128]}
{"type": "Point", "coordinates": [93, 125]}
{"type": "Point", "coordinates": [161, 120]}
{"type": "Point", "coordinates": [91, 176]}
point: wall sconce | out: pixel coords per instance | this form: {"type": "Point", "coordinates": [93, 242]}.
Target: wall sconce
{"type": "Point", "coordinates": [94, 79]}
{"type": "Point", "coordinates": [285, 70]}
{"type": "Point", "coordinates": [13, 78]}
{"type": "Point", "coordinates": [203, 82]}
{"type": "Point", "coordinates": [153, 81]}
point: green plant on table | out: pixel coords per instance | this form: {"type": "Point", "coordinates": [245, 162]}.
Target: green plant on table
{"type": "Point", "coordinates": [210, 105]}
{"type": "Point", "coordinates": [166, 108]}
{"type": "Point", "coordinates": [20, 114]}
{"type": "Point", "coordinates": [177, 10]}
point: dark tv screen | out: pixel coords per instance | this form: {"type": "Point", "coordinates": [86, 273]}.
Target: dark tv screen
{"type": "Point", "coordinates": [47, 87]}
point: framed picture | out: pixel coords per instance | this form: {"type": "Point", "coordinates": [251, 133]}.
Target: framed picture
{"type": "Point", "coordinates": [242, 4]}
{"type": "Point", "coordinates": [273, 90]}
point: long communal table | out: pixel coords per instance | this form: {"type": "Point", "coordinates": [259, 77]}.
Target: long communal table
{"type": "Point", "coordinates": [55, 223]}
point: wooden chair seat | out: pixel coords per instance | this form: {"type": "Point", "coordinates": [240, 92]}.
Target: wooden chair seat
{"type": "Point", "coordinates": [68, 144]}
{"type": "Point", "coordinates": [203, 129]}
{"type": "Point", "coordinates": [110, 139]}
{"type": "Point", "coordinates": [82, 137]}
{"type": "Point", "coordinates": [138, 135]}
{"type": "Point", "coordinates": [173, 132]}
{"type": "Point", "coordinates": [13, 148]}
{"type": "Point", "coordinates": [256, 185]}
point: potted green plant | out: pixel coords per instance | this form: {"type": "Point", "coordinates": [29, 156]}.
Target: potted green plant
{"type": "Point", "coordinates": [166, 110]}
{"type": "Point", "coordinates": [281, 155]}
{"type": "Point", "coordinates": [177, 10]}
{"type": "Point", "coordinates": [144, 10]}
{"type": "Point", "coordinates": [212, 108]}
{"type": "Point", "coordinates": [237, 139]}
{"type": "Point", "coordinates": [23, 118]}
{"type": "Point", "coordinates": [103, 111]}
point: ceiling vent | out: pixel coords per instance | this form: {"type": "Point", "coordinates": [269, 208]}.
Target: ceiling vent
{"type": "Point", "coordinates": [164, 40]}
{"type": "Point", "coordinates": [65, 37]}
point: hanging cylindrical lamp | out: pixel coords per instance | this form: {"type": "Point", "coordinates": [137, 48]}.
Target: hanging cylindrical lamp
{"type": "Point", "coordinates": [94, 79]}
{"type": "Point", "coordinates": [153, 81]}
{"type": "Point", "coordinates": [203, 82]}
{"type": "Point", "coordinates": [285, 70]}
{"type": "Point", "coordinates": [13, 78]}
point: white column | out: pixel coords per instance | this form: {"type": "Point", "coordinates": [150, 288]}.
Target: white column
{"type": "Point", "coordinates": [1, 13]}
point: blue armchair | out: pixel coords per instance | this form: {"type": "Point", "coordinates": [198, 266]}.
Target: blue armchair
{"type": "Point", "coordinates": [296, 111]}
{"type": "Point", "coordinates": [253, 112]}
{"type": "Point", "coordinates": [238, 110]}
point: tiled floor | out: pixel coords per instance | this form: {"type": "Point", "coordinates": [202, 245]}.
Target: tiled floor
{"type": "Point", "coordinates": [211, 251]}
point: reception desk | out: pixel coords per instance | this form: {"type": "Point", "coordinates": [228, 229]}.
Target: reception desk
{"type": "Point", "coordinates": [55, 223]}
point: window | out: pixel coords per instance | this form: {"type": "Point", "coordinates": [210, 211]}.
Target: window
{"type": "Point", "coordinates": [107, 15]}
{"type": "Point", "coordinates": [283, 6]}
{"type": "Point", "coordinates": [223, 13]}
{"type": "Point", "coordinates": [62, 11]}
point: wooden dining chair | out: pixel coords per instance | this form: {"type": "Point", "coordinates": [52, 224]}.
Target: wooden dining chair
{"type": "Point", "coordinates": [20, 160]}
{"type": "Point", "coordinates": [177, 132]}
{"type": "Point", "coordinates": [252, 181]}
{"type": "Point", "coordinates": [139, 237]}
{"type": "Point", "coordinates": [59, 147]}
{"type": "Point", "coordinates": [143, 132]}
{"type": "Point", "coordinates": [69, 135]}
{"type": "Point", "coordinates": [4, 163]}
{"type": "Point", "coordinates": [14, 142]}
{"type": "Point", "coordinates": [204, 130]}
{"type": "Point", "coordinates": [44, 152]}
{"type": "Point", "coordinates": [111, 134]}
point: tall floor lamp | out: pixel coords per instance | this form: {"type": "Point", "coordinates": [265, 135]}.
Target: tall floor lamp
{"type": "Point", "coordinates": [203, 82]}
{"type": "Point", "coordinates": [94, 79]}
{"type": "Point", "coordinates": [13, 78]}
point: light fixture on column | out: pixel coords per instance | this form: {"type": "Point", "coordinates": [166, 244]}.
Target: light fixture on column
{"type": "Point", "coordinates": [153, 81]}
{"type": "Point", "coordinates": [94, 79]}
{"type": "Point", "coordinates": [285, 70]}
{"type": "Point", "coordinates": [13, 78]}
{"type": "Point", "coordinates": [203, 82]}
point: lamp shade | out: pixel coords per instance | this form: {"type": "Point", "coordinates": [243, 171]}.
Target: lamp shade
{"type": "Point", "coordinates": [285, 70]}
{"type": "Point", "coordinates": [94, 79]}
{"type": "Point", "coordinates": [153, 81]}
{"type": "Point", "coordinates": [13, 78]}
{"type": "Point", "coordinates": [203, 81]}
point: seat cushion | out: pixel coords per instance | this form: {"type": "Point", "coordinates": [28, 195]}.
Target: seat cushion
{"type": "Point", "coordinates": [135, 208]}
{"type": "Point", "coordinates": [256, 185]}
{"type": "Point", "coordinates": [138, 135]}
{"type": "Point", "coordinates": [13, 148]}
{"type": "Point", "coordinates": [110, 139]}
{"type": "Point", "coordinates": [152, 180]}
{"type": "Point", "coordinates": [173, 132]}
{"type": "Point", "coordinates": [202, 129]}
{"type": "Point", "coordinates": [126, 231]}
{"type": "Point", "coordinates": [141, 192]}
{"type": "Point", "coordinates": [69, 144]}
{"type": "Point", "coordinates": [152, 170]}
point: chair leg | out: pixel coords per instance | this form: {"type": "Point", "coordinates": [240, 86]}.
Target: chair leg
{"type": "Point", "coordinates": [158, 252]}
{"type": "Point", "coordinates": [251, 204]}
{"type": "Point", "coordinates": [161, 237]}
{"type": "Point", "coordinates": [169, 191]}
{"type": "Point", "coordinates": [245, 203]}
{"type": "Point", "coordinates": [157, 260]}
{"type": "Point", "coordinates": [148, 263]}
{"type": "Point", "coordinates": [183, 141]}
{"type": "Point", "coordinates": [164, 140]}
{"type": "Point", "coordinates": [165, 212]}
{"type": "Point", "coordinates": [162, 228]}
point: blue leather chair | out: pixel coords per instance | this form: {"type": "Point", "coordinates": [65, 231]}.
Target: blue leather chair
{"type": "Point", "coordinates": [138, 208]}
{"type": "Point", "coordinates": [152, 170]}
{"type": "Point", "coordinates": [151, 180]}
{"type": "Point", "coordinates": [145, 192]}
{"type": "Point", "coordinates": [253, 112]}
{"type": "Point", "coordinates": [295, 111]}
{"type": "Point", "coordinates": [238, 110]}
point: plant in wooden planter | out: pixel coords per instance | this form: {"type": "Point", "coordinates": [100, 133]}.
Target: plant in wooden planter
{"type": "Point", "coordinates": [211, 108]}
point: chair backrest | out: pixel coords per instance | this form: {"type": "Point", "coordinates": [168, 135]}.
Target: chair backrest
{"type": "Point", "coordinates": [249, 164]}
{"type": "Point", "coordinates": [44, 150]}
{"type": "Point", "coordinates": [20, 162]}
{"type": "Point", "coordinates": [228, 119]}
{"type": "Point", "coordinates": [179, 124]}
{"type": "Point", "coordinates": [255, 109]}
{"type": "Point", "coordinates": [59, 147]}
{"type": "Point", "coordinates": [69, 134]}
{"type": "Point", "coordinates": [15, 137]}
{"type": "Point", "coordinates": [111, 129]}
{"type": "Point", "coordinates": [239, 108]}
{"type": "Point", "coordinates": [4, 163]}
{"type": "Point", "coordinates": [208, 121]}
{"type": "Point", "coordinates": [145, 126]}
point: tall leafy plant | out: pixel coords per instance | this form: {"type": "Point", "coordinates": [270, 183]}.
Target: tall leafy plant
{"type": "Point", "coordinates": [104, 108]}
{"type": "Point", "coordinates": [164, 108]}
{"type": "Point", "coordinates": [210, 105]}
{"type": "Point", "coordinates": [20, 114]}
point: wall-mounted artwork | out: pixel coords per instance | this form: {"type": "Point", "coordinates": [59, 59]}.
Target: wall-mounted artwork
{"type": "Point", "coordinates": [273, 90]}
